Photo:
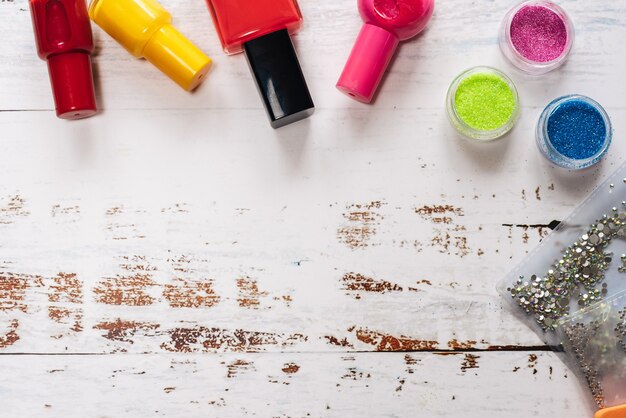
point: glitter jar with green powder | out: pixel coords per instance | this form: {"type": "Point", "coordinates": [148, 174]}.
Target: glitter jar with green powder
{"type": "Point", "coordinates": [483, 103]}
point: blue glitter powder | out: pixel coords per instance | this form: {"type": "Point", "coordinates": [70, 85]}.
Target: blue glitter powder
{"type": "Point", "coordinates": [574, 132]}
{"type": "Point", "coordinates": [577, 130]}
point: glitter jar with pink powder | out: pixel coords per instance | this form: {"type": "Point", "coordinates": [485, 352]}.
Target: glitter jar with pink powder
{"type": "Point", "coordinates": [536, 36]}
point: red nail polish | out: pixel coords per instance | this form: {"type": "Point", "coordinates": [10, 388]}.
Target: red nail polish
{"type": "Point", "coordinates": [261, 29]}
{"type": "Point", "coordinates": [387, 22]}
{"type": "Point", "coordinates": [63, 36]}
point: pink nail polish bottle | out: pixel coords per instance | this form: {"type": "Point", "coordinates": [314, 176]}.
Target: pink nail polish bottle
{"type": "Point", "coordinates": [387, 22]}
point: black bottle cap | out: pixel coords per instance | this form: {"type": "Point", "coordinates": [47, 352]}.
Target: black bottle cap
{"type": "Point", "coordinates": [279, 78]}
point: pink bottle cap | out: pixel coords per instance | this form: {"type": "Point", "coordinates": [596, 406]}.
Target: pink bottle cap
{"type": "Point", "coordinates": [387, 22]}
{"type": "Point", "coordinates": [368, 60]}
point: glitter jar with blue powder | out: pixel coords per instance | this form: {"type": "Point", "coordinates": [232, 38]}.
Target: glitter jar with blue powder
{"type": "Point", "coordinates": [574, 132]}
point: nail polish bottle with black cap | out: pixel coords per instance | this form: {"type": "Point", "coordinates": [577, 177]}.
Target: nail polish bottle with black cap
{"type": "Point", "coordinates": [261, 29]}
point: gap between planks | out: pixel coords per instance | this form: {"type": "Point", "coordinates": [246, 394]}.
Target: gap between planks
{"type": "Point", "coordinates": [512, 349]}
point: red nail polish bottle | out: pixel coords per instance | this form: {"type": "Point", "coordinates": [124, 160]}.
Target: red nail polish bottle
{"type": "Point", "coordinates": [261, 29]}
{"type": "Point", "coordinates": [63, 36]}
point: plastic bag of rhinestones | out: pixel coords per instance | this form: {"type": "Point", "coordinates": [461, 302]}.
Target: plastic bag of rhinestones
{"type": "Point", "coordinates": [580, 263]}
{"type": "Point", "coordinates": [594, 341]}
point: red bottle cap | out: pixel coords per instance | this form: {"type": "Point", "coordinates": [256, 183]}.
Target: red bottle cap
{"type": "Point", "coordinates": [72, 85]}
{"type": "Point", "coordinates": [63, 35]}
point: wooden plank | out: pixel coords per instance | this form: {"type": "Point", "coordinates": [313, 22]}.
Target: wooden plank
{"type": "Point", "coordinates": [459, 37]}
{"type": "Point", "coordinates": [301, 248]}
{"type": "Point", "coordinates": [489, 385]}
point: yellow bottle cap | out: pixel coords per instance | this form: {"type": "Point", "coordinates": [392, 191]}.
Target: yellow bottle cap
{"type": "Point", "coordinates": [614, 412]}
{"type": "Point", "coordinates": [144, 28]}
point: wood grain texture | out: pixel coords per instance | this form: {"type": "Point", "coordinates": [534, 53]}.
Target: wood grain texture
{"type": "Point", "coordinates": [316, 385]}
{"type": "Point", "coordinates": [175, 243]}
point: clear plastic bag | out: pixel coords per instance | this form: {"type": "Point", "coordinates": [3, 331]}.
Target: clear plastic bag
{"type": "Point", "coordinates": [577, 265]}
{"type": "Point", "coordinates": [594, 343]}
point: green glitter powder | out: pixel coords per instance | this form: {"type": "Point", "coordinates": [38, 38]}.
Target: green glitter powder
{"type": "Point", "coordinates": [484, 101]}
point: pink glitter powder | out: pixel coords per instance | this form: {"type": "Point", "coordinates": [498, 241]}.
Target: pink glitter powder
{"type": "Point", "coordinates": [538, 33]}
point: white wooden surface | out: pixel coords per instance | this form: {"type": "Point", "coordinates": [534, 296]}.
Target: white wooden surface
{"type": "Point", "coordinates": [175, 256]}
